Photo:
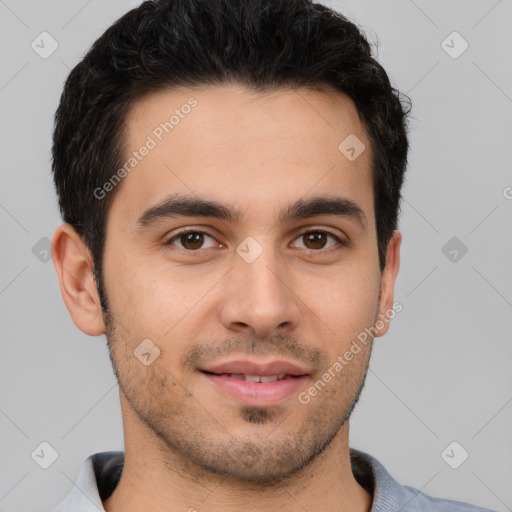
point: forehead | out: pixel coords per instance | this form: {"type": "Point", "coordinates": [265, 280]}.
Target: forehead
{"type": "Point", "coordinates": [244, 148]}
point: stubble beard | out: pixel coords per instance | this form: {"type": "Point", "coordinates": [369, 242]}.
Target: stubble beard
{"type": "Point", "coordinates": [201, 446]}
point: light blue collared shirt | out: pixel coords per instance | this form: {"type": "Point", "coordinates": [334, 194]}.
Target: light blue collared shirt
{"type": "Point", "coordinates": [100, 473]}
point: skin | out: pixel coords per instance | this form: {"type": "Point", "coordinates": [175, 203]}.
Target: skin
{"type": "Point", "coordinates": [189, 445]}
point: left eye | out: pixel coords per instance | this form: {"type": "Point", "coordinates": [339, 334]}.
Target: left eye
{"type": "Point", "coordinates": [193, 240]}
{"type": "Point", "coordinates": [318, 237]}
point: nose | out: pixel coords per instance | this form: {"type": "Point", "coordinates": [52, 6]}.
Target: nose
{"type": "Point", "coordinates": [260, 299]}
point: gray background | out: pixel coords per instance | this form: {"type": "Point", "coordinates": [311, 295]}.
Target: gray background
{"type": "Point", "coordinates": [441, 374]}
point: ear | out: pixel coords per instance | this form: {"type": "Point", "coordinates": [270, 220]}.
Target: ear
{"type": "Point", "coordinates": [73, 263]}
{"type": "Point", "coordinates": [387, 284]}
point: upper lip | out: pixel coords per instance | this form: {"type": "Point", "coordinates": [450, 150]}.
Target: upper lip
{"type": "Point", "coordinates": [245, 367]}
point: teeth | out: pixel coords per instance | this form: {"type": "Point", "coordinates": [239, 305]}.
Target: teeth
{"type": "Point", "coordinates": [268, 378]}
{"type": "Point", "coordinates": [258, 378]}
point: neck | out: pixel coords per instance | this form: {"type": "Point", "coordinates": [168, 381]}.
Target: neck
{"type": "Point", "coordinates": [152, 473]}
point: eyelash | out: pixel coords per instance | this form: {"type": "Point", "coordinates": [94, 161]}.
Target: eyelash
{"type": "Point", "coordinates": [324, 231]}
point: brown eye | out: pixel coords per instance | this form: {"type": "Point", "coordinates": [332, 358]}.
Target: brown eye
{"type": "Point", "coordinates": [192, 240]}
{"type": "Point", "coordinates": [189, 240]}
{"type": "Point", "coordinates": [317, 240]}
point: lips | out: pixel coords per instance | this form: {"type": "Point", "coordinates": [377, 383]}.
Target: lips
{"type": "Point", "coordinates": [257, 384]}
{"type": "Point", "coordinates": [252, 368]}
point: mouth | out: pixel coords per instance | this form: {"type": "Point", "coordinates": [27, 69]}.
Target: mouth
{"type": "Point", "coordinates": [257, 385]}
{"type": "Point", "coordinates": [255, 378]}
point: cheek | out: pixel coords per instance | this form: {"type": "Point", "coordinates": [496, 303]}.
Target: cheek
{"type": "Point", "coordinates": [157, 302]}
{"type": "Point", "coordinates": [347, 302]}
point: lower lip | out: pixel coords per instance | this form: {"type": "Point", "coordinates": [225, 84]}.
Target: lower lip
{"type": "Point", "coordinates": [258, 393]}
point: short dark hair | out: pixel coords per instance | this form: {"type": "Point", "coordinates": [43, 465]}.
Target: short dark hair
{"type": "Point", "coordinates": [262, 44]}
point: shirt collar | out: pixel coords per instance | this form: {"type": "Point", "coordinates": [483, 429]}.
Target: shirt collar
{"type": "Point", "coordinates": [100, 474]}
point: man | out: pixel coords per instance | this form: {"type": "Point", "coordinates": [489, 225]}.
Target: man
{"type": "Point", "coordinates": [229, 174]}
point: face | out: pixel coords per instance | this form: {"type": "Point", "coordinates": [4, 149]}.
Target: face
{"type": "Point", "coordinates": [200, 297]}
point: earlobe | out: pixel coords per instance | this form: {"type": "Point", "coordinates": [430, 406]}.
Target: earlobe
{"type": "Point", "coordinates": [73, 263]}
{"type": "Point", "coordinates": [388, 278]}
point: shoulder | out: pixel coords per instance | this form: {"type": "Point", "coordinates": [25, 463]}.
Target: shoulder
{"type": "Point", "coordinates": [97, 479]}
{"type": "Point", "coordinates": [389, 495]}
{"type": "Point", "coordinates": [421, 502]}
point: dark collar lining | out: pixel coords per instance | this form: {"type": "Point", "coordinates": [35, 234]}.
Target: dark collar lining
{"type": "Point", "coordinates": [362, 471]}
{"type": "Point", "coordinates": [108, 472]}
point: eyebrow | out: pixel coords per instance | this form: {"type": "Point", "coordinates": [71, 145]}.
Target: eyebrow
{"type": "Point", "coordinates": [187, 206]}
